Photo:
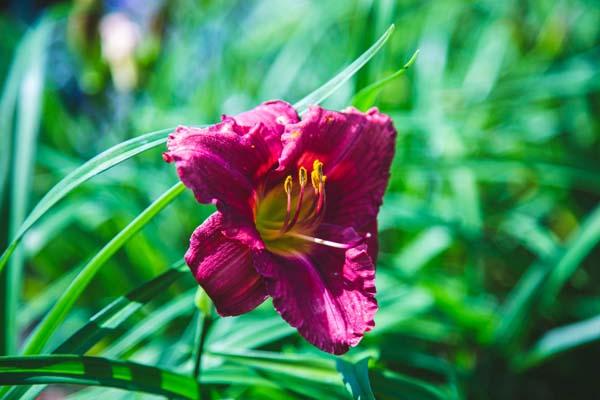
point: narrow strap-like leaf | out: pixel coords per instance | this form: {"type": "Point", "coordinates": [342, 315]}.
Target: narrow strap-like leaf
{"type": "Point", "coordinates": [356, 378]}
{"type": "Point", "coordinates": [334, 83]}
{"type": "Point", "coordinates": [113, 315]}
{"type": "Point", "coordinates": [93, 167]}
{"type": "Point", "coordinates": [31, 370]}
{"type": "Point", "coordinates": [57, 314]}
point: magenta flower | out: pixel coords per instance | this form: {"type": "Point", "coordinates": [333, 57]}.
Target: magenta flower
{"type": "Point", "coordinates": [297, 203]}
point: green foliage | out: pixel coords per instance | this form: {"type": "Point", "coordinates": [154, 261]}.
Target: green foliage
{"type": "Point", "coordinates": [366, 96]}
{"type": "Point", "coordinates": [356, 378]}
{"type": "Point", "coordinates": [82, 370]}
{"type": "Point", "coordinates": [40, 336]}
{"type": "Point", "coordinates": [489, 231]}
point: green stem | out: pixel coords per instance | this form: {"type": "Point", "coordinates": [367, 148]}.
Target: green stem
{"type": "Point", "coordinates": [59, 311]}
{"type": "Point", "coordinates": [202, 327]}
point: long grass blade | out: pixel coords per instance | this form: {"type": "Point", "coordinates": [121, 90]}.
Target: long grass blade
{"type": "Point", "coordinates": [309, 375]}
{"type": "Point", "coordinates": [26, 130]}
{"type": "Point", "coordinates": [545, 278]}
{"type": "Point", "coordinates": [390, 385]}
{"type": "Point", "coordinates": [334, 83]}
{"type": "Point", "coordinates": [308, 367]}
{"type": "Point", "coordinates": [560, 340]}
{"type": "Point", "coordinates": [577, 249]}
{"type": "Point", "coordinates": [157, 320]}
{"type": "Point", "coordinates": [91, 168]}
{"type": "Point", "coordinates": [113, 315]}
{"type": "Point", "coordinates": [44, 330]}
{"type": "Point", "coordinates": [366, 96]}
{"type": "Point", "coordinates": [108, 320]}
{"type": "Point", "coordinates": [70, 369]}
{"type": "Point", "coordinates": [8, 104]}
{"type": "Point", "coordinates": [356, 378]}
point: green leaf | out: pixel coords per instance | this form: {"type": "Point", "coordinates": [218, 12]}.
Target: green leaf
{"type": "Point", "coordinates": [334, 83]}
{"type": "Point", "coordinates": [247, 331]}
{"type": "Point", "coordinates": [36, 307]}
{"type": "Point", "coordinates": [44, 330]}
{"type": "Point", "coordinates": [311, 376]}
{"type": "Point", "coordinates": [365, 98]}
{"type": "Point", "coordinates": [203, 302]}
{"type": "Point", "coordinates": [303, 366]}
{"type": "Point", "coordinates": [513, 316]}
{"type": "Point", "coordinates": [545, 278]}
{"type": "Point", "coordinates": [91, 168]}
{"type": "Point", "coordinates": [356, 378]}
{"type": "Point", "coordinates": [30, 95]}
{"type": "Point", "coordinates": [110, 318]}
{"type": "Point", "coordinates": [578, 247]}
{"type": "Point", "coordinates": [157, 320]}
{"type": "Point", "coordinates": [390, 385]}
{"type": "Point", "coordinates": [8, 103]}
{"type": "Point", "coordinates": [560, 340]}
{"type": "Point", "coordinates": [82, 370]}
{"type": "Point", "coordinates": [113, 315]}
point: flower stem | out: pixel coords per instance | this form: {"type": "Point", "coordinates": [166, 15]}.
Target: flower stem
{"type": "Point", "coordinates": [203, 325]}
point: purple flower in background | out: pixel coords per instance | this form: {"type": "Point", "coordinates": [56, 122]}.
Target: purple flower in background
{"type": "Point", "coordinates": [297, 204]}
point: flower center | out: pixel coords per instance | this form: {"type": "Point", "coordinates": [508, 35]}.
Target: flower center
{"type": "Point", "coordinates": [287, 217]}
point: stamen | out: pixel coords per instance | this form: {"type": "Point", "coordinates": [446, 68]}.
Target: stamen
{"type": "Point", "coordinates": [314, 177]}
{"type": "Point", "coordinates": [318, 167]}
{"type": "Point", "coordinates": [318, 182]}
{"type": "Point", "coordinates": [287, 186]}
{"type": "Point", "coordinates": [312, 213]}
{"type": "Point", "coordinates": [303, 178]}
{"type": "Point", "coordinates": [321, 200]}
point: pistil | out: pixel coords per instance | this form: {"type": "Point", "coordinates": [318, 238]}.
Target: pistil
{"type": "Point", "coordinates": [330, 243]}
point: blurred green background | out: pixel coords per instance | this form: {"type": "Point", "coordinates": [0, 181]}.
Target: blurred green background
{"type": "Point", "coordinates": [488, 279]}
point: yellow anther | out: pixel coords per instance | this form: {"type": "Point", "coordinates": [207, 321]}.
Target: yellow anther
{"type": "Point", "coordinates": [302, 176]}
{"type": "Point", "coordinates": [287, 185]}
{"type": "Point", "coordinates": [318, 167]}
{"type": "Point", "coordinates": [314, 177]}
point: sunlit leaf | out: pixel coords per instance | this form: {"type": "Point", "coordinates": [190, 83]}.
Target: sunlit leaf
{"type": "Point", "coordinates": [50, 323]}
{"type": "Point", "coordinates": [560, 340]}
{"type": "Point", "coordinates": [356, 378]}
{"type": "Point", "coordinates": [31, 370]}
{"type": "Point", "coordinates": [334, 83]}
{"type": "Point", "coordinates": [366, 97]}
{"type": "Point", "coordinates": [96, 165]}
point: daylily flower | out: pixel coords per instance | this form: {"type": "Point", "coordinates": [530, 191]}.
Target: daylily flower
{"type": "Point", "coordinates": [297, 202]}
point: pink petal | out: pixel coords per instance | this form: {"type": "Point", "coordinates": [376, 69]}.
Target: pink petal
{"type": "Point", "coordinates": [329, 295]}
{"type": "Point", "coordinates": [274, 114]}
{"type": "Point", "coordinates": [356, 149]}
{"type": "Point", "coordinates": [224, 163]}
{"type": "Point", "coordinates": [221, 163]}
{"type": "Point", "coordinates": [223, 267]}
